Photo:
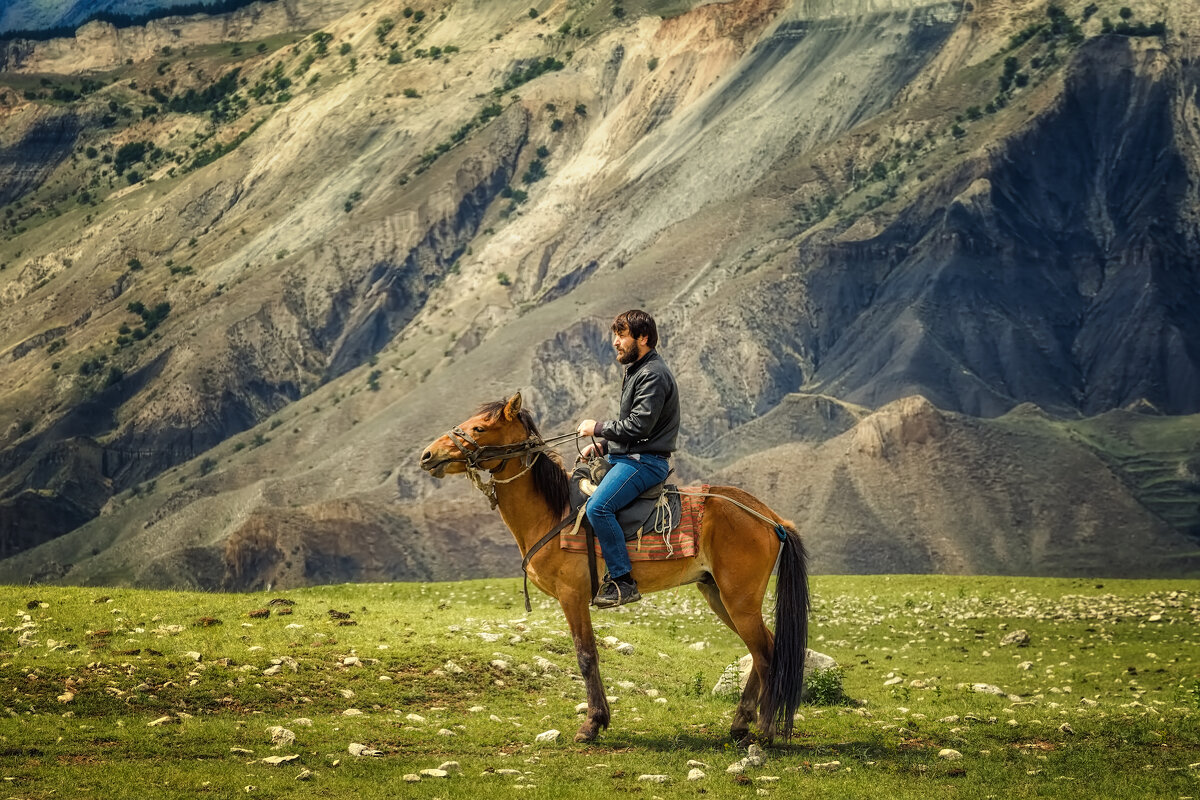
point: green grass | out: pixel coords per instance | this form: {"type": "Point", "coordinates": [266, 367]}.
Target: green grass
{"type": "Point", "coordinates": [1126, 683]}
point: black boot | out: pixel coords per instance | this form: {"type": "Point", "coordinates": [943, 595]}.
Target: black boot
{"type": "Point", "coordinates": [617, 592]}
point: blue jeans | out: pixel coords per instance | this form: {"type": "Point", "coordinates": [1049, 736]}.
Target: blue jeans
{"type": "Point", "coordinates": [627, 479]}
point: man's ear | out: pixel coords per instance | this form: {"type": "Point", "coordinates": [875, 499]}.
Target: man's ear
{"type": "Point", "coordinates": [513, 407]}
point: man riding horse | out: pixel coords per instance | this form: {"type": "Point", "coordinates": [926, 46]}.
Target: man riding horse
{"type": "Point", "coordinates": [638, 446]}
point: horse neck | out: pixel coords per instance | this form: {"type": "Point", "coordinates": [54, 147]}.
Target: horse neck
{"type": "Point", "coordinates": [522, 507]}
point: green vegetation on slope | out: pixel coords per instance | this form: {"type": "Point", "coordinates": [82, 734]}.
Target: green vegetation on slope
{"type": "Point", "coordinates": [1102, 701]}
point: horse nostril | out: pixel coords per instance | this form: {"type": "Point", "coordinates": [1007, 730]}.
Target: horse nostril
{"type": "Point", "coordinates": [428, 454]}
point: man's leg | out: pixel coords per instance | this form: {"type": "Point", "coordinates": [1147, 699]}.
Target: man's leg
{"type": "Point", "coordinates": [624, 482]}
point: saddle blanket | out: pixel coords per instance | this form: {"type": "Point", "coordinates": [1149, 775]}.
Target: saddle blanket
{"type": "Point", "coordinates": [680, 543]}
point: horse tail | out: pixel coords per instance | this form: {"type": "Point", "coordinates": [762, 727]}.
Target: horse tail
{"type": "Point", "coordinates": [786, 679]}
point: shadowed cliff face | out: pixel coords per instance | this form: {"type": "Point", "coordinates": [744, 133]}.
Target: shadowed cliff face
{"type": "Point", "coordinates": [1056, 272]}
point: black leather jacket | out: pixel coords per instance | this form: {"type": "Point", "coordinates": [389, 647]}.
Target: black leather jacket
{"type": "Point", "coordinates": [649, 420]}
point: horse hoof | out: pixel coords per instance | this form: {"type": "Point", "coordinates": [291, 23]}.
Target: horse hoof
{"type": "Point", "coordinates": [585, 735]}
{"type": "Point", "coordinates": [740, 735]}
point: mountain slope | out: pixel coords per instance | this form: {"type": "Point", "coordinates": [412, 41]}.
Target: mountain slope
{"type": "Point", "coordinates": [247, 280]}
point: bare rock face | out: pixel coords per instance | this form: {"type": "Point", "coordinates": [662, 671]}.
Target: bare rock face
{"type": "Point", "coordinates": [369, 231]}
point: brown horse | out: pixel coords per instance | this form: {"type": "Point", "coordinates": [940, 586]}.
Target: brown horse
{"type": "Point", "coordinates": [735, 556]}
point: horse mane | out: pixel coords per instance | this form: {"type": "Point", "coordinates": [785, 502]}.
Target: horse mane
{"type": "Point", "coordinates": [549, 475]}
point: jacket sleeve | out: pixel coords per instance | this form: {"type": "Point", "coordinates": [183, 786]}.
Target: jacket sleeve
{"type": "Point", "coordinates": [650, 395]}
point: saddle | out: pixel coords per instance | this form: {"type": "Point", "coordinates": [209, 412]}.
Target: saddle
{"type": "Point", "coordinates": [656, 510]}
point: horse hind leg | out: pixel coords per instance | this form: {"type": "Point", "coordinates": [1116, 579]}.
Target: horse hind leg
{"type": "Point", "coordinates": [747, 710]}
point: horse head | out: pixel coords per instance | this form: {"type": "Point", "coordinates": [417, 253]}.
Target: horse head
{"type": "Point", "coordinates": [478, 439]}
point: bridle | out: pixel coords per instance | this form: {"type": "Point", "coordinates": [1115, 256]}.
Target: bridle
{"type": "Point", "coordinates": [473, 457]}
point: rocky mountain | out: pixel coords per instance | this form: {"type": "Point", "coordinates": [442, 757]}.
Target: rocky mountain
{"type": "Point", "coordinates": [924, 270]}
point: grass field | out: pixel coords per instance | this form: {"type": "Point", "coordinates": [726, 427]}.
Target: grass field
{"type": "Point", "coordinates": [1103, 701]}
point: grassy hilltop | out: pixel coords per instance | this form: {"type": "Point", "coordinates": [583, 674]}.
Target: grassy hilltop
{"type": "Point", "coordinates": [130, 693]}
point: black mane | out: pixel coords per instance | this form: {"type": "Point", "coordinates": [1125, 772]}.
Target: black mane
{"type": "Point", "coordinates": [549, 476]}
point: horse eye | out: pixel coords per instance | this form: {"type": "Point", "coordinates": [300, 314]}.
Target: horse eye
{"type": "Point", "coordinates": [479, 429]}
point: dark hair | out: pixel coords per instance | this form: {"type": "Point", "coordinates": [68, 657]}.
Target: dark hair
{"type": "Point", "coordinates": [639, 324]}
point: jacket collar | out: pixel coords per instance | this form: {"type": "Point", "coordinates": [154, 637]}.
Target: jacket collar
{"type": "Point", "coordinates": [635, 366]}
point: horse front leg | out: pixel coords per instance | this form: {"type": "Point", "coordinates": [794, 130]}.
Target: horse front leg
{"type": "Point", "coordinates": [579, 620]}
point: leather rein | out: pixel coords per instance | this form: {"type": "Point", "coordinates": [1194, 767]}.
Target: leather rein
{"type": "Point", "coordinates": [474, 456]}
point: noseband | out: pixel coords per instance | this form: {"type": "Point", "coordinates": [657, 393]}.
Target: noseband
{"type": "Point", "coordinates": [527, 450]}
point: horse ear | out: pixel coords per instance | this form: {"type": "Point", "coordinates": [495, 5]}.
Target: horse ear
{"type": "Point", "coordinates": [513, 407]}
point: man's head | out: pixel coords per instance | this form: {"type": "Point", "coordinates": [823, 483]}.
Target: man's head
{"type": "Point", "coordinates": [634, 335]}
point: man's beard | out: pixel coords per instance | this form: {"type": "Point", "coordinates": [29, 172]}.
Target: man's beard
{"type": "Point", "coordinates": [627, 357]}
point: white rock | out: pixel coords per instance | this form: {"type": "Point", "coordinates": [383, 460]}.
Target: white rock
{"type": "Point", "coordinates": [950, 755]}
{"type": "Point", "coordinates": [241, 751]}
{"type": "Point", "coordinates": [275, 670]}
{"type": "Point", "coordinates": [490, 637]}
{"type": "Point", "coordinates": [893, 681]}
{"type": "Point", "coordinates": [193, 655]}
{"type": "Point", "coordinates": [160, 721]}
{"type": "Point", "coordinates": [351, 661]}
{"type": "Point", "coordinates": [304, 775]}
{"type": "Point", "coordinates": [476, 709]}
{"type": "Point", "coordinates": [347, 693]}
{"type": "Point", "coordinates": [1020, 638]}
{"type": "Point", "coordinates": [446, 732]}
{"type": "Point", "coordinates": [610, 641]}
{"type": "Point", "coordinates": [452, 668]}
{"type": "Point", "coordinates": [545, 664]}
{"type": "Point", "coordinates": [451, 766]}
{"type": "Point", "coordinates": [828, 766]}
{"type": "Point", "coordinates": [293, 626]}
{"type": "Point", "coordinates": [417, 718]}
{"type": "Point", "coordinates": [950, 720]}
{"type": "Point", "coordinates": [697, 764]}
{"type": "Point", "coordinates": [755, 757]}
{"type": "Point", "coordinates": [767, 779]}
{"type": "Point", "coordinates": [1025, 665]}
{"type": "Point", "coordinates": [1087, 701]}
{"type": "Point", "coordinates": [737, 767]}
{"type": "Point", "coordinates": [412, 777]}
{"type": "Point", "coordinates": [1066, 728]}
{"type": "Point", "coordinates": [547, 736]}
{"type": "Point", "coordinates": [352, 712]}
{"type": "Point", "coordinates": [500, 664]}
{"type": "Point", "coordinates": [625, 649]}
{"type": "Point", "coordinates": [698, 645]}
{"type": "Point", "coordinates": [987, 688]}
{"type": "Point", "coordinates": [357, 749]}
{"type": "Point", "coordinates": [434, 773]}
{"type": "Point", "coordinates": [654, 778]}
{"type": "Point", "coordinates": [303, 722]}
{"type": "Point", "coordinates": [581, 708]}
{"type": "Point", "coordinates": [275, 761]}
{"type": "Point", "coordinates": [280, 736]}
{"type": "Point", "coordinates": [696, 775]}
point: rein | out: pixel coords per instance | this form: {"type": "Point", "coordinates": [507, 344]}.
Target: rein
{"type": "Point", "coordinates": [528, 450]}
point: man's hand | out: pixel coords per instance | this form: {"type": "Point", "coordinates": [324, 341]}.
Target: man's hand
{"type": "Point", "coordinates": [589, 451]}
{"type": "Point", "coordinates": [587, 428]}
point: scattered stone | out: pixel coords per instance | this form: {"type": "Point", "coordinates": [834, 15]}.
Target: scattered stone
{"type": "Point", "coordinates": [1087, 701]}
{"type": "Point", "coordinates": [346, 693]}
{"type": "Point", "coordinates": [828, 766]}
{"type": "Point", "coordinates": [351, 661]}
{"type": "Point", "coordinates": [304, 775]}
{"type": "Point", "coordinates": [303, 722]}
{"type": "Point", "coordinates": [66, 697]}
{"type": "Point", "coordinates": [241, 751]}
{"type": "Point", "coordinates": [357, 749]}
{"type": "Point", "coordinates": [581, 708]}
{"type": "Point", "coordinates": [451, 766]}
{"type": "Point", "coordinates": [987, 688]}
{"type": "Point", "coordinates": [275, 761]}
{"type": "Point", "coordinates": [160, 721]}
{"type": "Point", "coordinates": [696, 774]}
{"type": "Point", "coordinates": [698, 645]}
{"type": "Point", "coordinates": [654, 778]}
{"type": "Point", "coordinates": [1020, 638]}
{"type": "Point", "coordinates": [548, 737]}
{"type": "Point", "coordinates": [950, 720]}
{"type": "Point", "coordinates": [446, 732]}
{"type": "Point", "coordinates": [193, 655]}
{"type": "Point", "coordinates": [1066, 728]}
{"type": "Point", "coordinates": [280, 736]}
{"type": "Point", "coordinates": [452, 668]}
{"type": "Point", "coordinates": [412, 777]}
{"type": "Point", "coordinates": [950, 755]}
{"type": "Point", "coordinates": [490, 637]}
{"type": "Point", "coordinates": [767, 779]}
{"type": "Point", "coordinates": [697, 764]}
{"type": "Point", "coordinates": [625, 649]}
{"type": "Point", "coordinates": [1025, 665]}
{"type": "Point", "coordinates": [275, 670]}
{"type": "Point", "coordinates": [415, 718]}
{"type": "Point", "coordinates": [352, 712]}
{"type": "Point", "coordinates": [893, 681]}
{"type": "Point", "coordinates": [434, 773]}
{"type": "Point", "coordinates": [755, 757]}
